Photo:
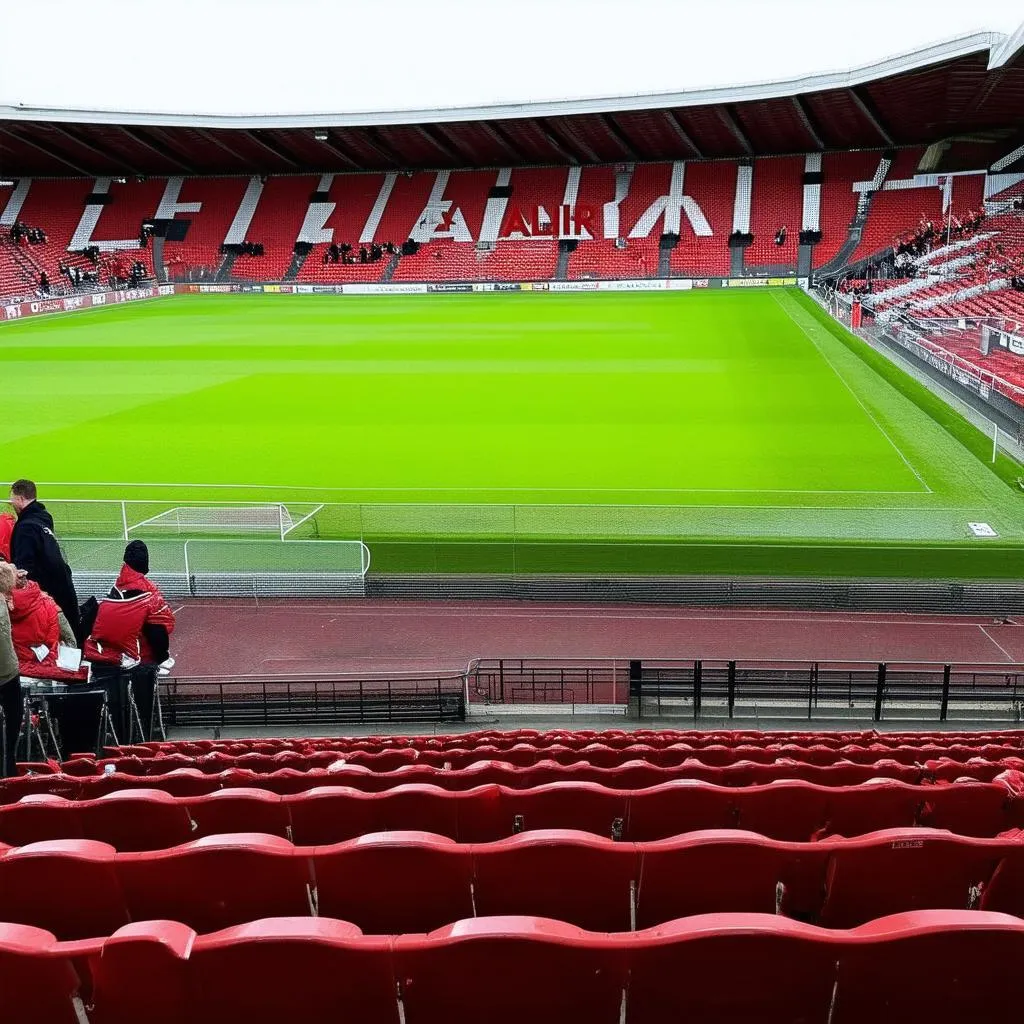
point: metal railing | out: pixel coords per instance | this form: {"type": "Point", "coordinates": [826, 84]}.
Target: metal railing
{"type": "Point", "coordinates": [268, 701]}
{"type": "Point", "coordinates": [759, 690]}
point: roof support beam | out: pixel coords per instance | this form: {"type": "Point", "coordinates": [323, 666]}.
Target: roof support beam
{"type": "Point", "coordinates": [554, 142]}
{"type": "Point", "coordinates": [214, 141]}
{"type": "Point", "coordinates": [729, 119]}
{"type": "Point", "coordinates": [808, 122]}
{"type": "Point", "coordinates": [139, 137]}
{"type": "Point", "coordinates": [433, 135]}
{"type": "Point", "coordinates": [866, 106]}
{"type": "Point", "coordinates": [382, 148]}
{"type": "Point", "coordinates": [502, 139]}
{"type": "Point", "coordinates": [272, 148]}
{"type": "Point", "coordinates": [340, 153]}
{"type": "Point", "coordinates": [619, 136]}
{"type": "Point", "coordinates": [52, 154]}
{"type": "Point", "coordinates": [681, 133]}
{"type": "Point", "coordinates": [78, 141]}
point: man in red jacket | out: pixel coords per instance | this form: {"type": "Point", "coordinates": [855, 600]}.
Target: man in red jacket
{"type": "Point", "coordinates": [129, 638]}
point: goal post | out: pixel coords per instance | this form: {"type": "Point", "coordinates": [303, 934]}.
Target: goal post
{"type": "Point", "coordinates": [236, 520]}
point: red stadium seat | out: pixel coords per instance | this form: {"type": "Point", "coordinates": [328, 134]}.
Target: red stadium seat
{"type": "Point", "coordinates": [732, 967]}
{"type": "Point", "coordinates": [65, 886]}
{"type": "Point", "coordinates": [563, 875]}
{"type": "Point", "coordinates": [240, 810]}
{"type": "Point", "coordinates": [38, 983]}
{"type": "Point", "coordinates": [510, 969]}
{"type": "Point", "coordinates": [136, 819]}
{"type": "Point", "coordinates": [395, 882]}
{"type": "Point", "coordinates": [217, 882]}
{"type": "Point", "coordinates": [937, 966]}
{"type": "Point", "coordinates": [905, 870]}
{"type": "Point", "coordinates": [729, 872]}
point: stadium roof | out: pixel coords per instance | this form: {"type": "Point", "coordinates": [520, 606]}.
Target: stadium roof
{"type": "Point", "coordinates": [969, 90]}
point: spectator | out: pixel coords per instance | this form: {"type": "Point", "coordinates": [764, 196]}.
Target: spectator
{"type": "Point", "coordinates": [133, 622]}
{"type": "Point", "coordinates": [780, 236]}
{"type": "Point", "coordinates": [12, 705]}
{"type": "Point", "coordinates": [6, 528]}
{"type": "Point", "coordinates": [129, 638]}
{"type": "Point", "coordinates": [34, 548]}
{"type": "Point", "coordinates": [44, 282]}
{"type": "Point", "coordinates": [38, 628]}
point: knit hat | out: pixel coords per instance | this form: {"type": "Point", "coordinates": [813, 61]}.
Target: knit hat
{"type": "Point", "coordinates": [136, 556]}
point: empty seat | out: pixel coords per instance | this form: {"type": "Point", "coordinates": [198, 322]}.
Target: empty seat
{"type": "Point", "coordinates": [136, 819]}
{"type": "Point", "coordinates": [395, 882]}
{"type": "Point", "coordinates": [240, 810]}
{"type": "Point", "coordinates": [266, 972]}
{"type": "Point", "coordinates": [217, 882]}
{"type": "Point", "coordinates": [566, 876]}
{"type": "Point", "coordinates": [507, 970]}
{"type": "Point", "coordinates": [65, 886]}
{"type": "Point", "coordinates": [38, 983]}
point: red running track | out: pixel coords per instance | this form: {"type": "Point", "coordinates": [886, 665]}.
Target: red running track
{"type": "Point", "coordinates": [352, 637]}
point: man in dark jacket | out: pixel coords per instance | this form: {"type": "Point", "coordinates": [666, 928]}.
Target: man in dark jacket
{"type": "Point", "coordinates": [34, 548]}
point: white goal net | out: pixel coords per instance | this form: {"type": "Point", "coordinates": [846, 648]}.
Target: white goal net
{"type": "Point", "coordinates": [236, 520]}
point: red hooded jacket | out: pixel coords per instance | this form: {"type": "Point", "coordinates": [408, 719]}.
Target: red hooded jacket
{"type": "Point", "coordinates": [134, 603]}
{"type": "Point", "coordinates": [6, 529]}
{"type": "Point", "coordinates": [34, 622]}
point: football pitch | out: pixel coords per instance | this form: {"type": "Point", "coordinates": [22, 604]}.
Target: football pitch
{"type": "Point", "coordinates": [676, 432]}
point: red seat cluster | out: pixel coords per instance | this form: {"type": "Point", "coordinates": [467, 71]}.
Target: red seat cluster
{"type": "Point", "coordinates": [602, 876]}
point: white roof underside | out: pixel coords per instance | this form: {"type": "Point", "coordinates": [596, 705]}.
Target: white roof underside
{"type": "Point", "coordinates": [215, 65]}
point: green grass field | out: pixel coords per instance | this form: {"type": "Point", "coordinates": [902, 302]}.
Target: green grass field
{"type": "Point", "coordinates": [736, 432]}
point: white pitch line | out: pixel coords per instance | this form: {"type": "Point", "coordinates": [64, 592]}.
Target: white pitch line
{"type": "Point", "coordinates": [856, 397]}
{"type": "Point", "coordinates": [1009, 656]}
{"type": "Point", "coordinates": [300, 490]}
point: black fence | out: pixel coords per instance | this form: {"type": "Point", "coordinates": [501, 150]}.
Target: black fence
{"type": "Point", "coordinates": [756, 691]}
{"type": "Point", "coordinates": [525, 681]}
{"type": "Point", "coordinates": [823, 690]}
{"type": "Point", "coordinates": [260, 702]}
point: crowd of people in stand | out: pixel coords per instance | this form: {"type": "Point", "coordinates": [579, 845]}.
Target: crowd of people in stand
{"type": "Point", "coordinates": [927, 236]}
{"type": "Point", "coordinates": [347, 254]}
{"type": "Point", "coordinates": [22, 234]}
{"type": "Point", "coordinates": [123, 637]}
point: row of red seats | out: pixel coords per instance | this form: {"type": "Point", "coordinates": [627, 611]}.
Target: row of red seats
{"type": "Point", "coordinates": [631, 775]}
{"type": "Point", "coordinates": [795, 811]}
{"type": "Point", "coordinates": [415, 881]}
{"type": "Point", "coordinates": [944, 967]}
{"type": "Point", "coordinates": [527, 756]}
{"type": "Point", "coordinates": [636, 774]}
{"type": "Point", "coordinates": [583, 738]}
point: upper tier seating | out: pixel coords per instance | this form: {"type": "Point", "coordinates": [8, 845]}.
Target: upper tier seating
{"type": "Point", "coordinates": [483, 225]}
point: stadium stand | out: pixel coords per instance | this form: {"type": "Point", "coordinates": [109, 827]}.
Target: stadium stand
{"type": "Point", "coordinates": [503, 225]}
{"type": "Point", "coordinates": [236, 860]}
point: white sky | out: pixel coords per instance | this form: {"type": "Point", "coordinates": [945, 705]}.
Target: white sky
{"type": "Point", "coordinates": [320, 56]}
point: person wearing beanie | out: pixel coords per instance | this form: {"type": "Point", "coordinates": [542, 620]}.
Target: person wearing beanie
{"type": "Point", "coordinates": [133, 622]}
{"type": "Point", "coordinates": [129, 637]}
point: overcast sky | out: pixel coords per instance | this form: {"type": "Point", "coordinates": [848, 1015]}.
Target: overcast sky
{"type": "Point", "coordinates": [319, 56]}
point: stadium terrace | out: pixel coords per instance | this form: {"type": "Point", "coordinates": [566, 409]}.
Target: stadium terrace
{"type": "Point", "coordinates": [551, 560]}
